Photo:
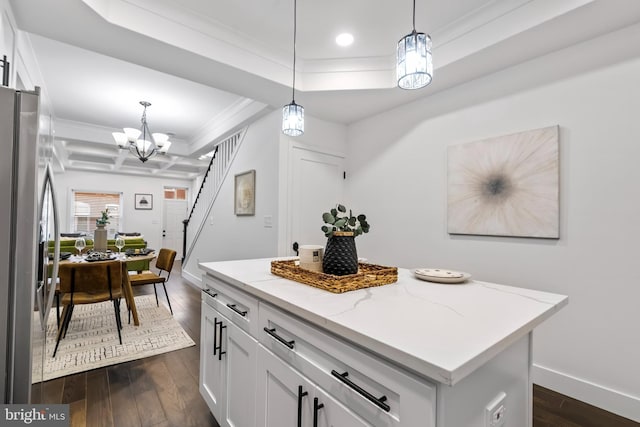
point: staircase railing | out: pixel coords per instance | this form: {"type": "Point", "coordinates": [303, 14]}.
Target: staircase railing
{"type": "Point", "coordinates": [209, 188]}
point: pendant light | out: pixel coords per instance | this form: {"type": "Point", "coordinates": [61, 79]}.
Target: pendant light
{"type": "Point", "coordinates": [414, 64]}
{"type": "Point", "coordinates": [141, 142]}
{"type": "Point", "coordinates": [293, 114]}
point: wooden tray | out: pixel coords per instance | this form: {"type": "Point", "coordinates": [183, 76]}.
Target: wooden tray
{"type": "Point", "coordinates": [368, 275]}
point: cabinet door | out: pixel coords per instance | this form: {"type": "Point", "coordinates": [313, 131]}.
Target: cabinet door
{"type": "Point", "coordinates": [284, 398]}
{"type": "Point", "coordinates": [331, 413]}
{"type": "Point", "coordinates": [211, 369]}
{"type": "Point", "coordinates": [240, 362]}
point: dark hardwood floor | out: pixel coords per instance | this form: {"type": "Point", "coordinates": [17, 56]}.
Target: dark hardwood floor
{"type": "Point", "coordinates": [156, 391]}
{"type": "Point", "coordinates": [551, 409]}
{"type": "Point", "coordinates": [163, 390]}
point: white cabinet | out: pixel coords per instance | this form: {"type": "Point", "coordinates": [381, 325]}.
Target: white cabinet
{"type": "Point", "coordinates": [285, 397]}
{"type": "Point", "coordinates": [211, 369]}
{"type": "Point", "coordinates": [227, 369]}
{"type": "Point", "coordinates": [260, 366]}
{"type": "Point", "coordinates": [283, 393]}
{"type": "Point", "coordinates": [379, 393]}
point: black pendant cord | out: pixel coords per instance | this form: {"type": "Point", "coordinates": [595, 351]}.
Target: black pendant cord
{"type": "Point", "coordinates": [414, 16]}
{"type": "Point", "coordinates": [295, 16]}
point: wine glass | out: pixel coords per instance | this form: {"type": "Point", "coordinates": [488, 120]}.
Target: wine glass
{"type": "Point", "coordinates": [119, 245]}
{"type": "Point", "coordinates": [80, 245]}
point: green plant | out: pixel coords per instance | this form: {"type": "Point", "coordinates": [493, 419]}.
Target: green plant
{"type": "Point", "coordinates": [104, 219]}
{"type": "Point", "coordinates": [338, 220]}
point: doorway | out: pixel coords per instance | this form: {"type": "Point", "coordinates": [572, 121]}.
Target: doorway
{"type": "Point", "coordinates": [174, 212]}
{"type": "Point", "coordinates": [317, 184]}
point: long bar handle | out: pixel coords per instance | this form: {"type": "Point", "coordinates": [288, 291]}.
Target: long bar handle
{"type": "Point", "coordinates": [220, 352]}
{"type": "Point", "coordinates": [215, 335]}
{"type": "Point", "coordinates": [378, 401]}
{"type": "Point", "coordinates": [316, 407]}
{"type": "Point", "coordinates": [301, 394]}
{"type": "Point", "coordinates": [272, 332]}
{"type": "Point", "coordinates": [234, 308]}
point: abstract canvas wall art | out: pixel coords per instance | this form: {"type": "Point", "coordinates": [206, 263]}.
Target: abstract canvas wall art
{"type": "Point", "coordinates": [505, 186]}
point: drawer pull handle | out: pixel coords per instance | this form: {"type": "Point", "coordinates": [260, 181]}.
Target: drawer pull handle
{"type": "Point", "coordinates": [378, 401]}
{"type": "Point", "coordinates": [234, 308]}
{"type": "Point", "coordinates": [272, 332]}
{"type": "Point", "coordinates": [301, 394]}
{"type": "Point", "coordinates": [316, 407]}
{"type": "Point", "coordinates": [208, 292]}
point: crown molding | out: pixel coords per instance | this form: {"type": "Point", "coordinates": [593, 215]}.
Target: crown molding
{"type": "Point", "coordinates": [494, 23]}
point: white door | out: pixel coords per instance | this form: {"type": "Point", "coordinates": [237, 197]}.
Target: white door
{"type": "Point", "coordinates": [283, 396]}
{"type": "Point", "coordinates": [328, 412]}
{"type": "Point", "coordinates": [240, 353]}
{"type": "Point", "coordinates": [317, 185]}
{"type": "Point", "coordinates": [212, 368]}
{"type": "Point", "coordinates": [175, 211]}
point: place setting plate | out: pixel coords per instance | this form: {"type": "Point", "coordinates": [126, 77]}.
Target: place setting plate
{"type": "Point", "coordinates": [99, 256]}
{"type": "Point", "coordinates": [441, 275]}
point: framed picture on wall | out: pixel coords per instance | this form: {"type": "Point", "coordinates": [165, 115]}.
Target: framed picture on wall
{"type": "Point", "coordinates": [144, 201]}
{"type": "Point", "coordinates": [245, 193]}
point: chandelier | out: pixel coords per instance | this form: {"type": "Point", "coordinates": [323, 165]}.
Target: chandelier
{"type": "Point", "coordinates": [141, 142]}
{"type": "Point", "coordinates": [293, 114]}
{"type": "Point", "coordinates": [414, 63]}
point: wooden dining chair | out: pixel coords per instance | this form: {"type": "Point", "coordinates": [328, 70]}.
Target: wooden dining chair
{"type": "Point", "coordinates": [89, 283]}
{"type": "Point", "coordinates": [164, 262]}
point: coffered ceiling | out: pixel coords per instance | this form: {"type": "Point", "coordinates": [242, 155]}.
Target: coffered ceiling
{"type": "Point", "coordinates": [210, 66]}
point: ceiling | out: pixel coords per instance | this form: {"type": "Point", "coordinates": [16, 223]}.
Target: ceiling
{"type": "Point", "coordinates": [210, 66]}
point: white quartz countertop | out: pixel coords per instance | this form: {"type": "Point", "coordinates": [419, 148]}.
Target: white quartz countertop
{"type": "Point", "coordinates": [443, 332]}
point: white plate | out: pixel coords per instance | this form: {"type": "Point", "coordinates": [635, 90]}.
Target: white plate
{"type": "Point", "coordinates": [441, 275]}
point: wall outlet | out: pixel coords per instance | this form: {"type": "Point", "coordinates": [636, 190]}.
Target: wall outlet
{"type": "Point", "coordinates": [495, 412]}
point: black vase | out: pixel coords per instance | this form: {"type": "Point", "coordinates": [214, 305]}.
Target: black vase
{"type": "Point", "coordinates": [340, 255]}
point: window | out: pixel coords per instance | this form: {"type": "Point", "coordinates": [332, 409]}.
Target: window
{"type": "Point", "coordinates": [175, 193]}
{"type": "Point", "coordinates": [88, 206]}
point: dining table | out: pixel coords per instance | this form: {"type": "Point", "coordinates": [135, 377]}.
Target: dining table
{"type": "Point", "coordinates": [126, 283]}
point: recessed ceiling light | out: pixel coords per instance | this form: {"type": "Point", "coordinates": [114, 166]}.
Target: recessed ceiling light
{"type": "Point", "coordinates": [344, 39]}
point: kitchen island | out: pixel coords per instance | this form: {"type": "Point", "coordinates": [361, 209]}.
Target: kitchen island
{"type": "Point", "coordinates": [275, 352]}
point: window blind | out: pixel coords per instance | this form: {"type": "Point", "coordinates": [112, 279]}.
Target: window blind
{"type": "Point", "coordinates": [88, 206]}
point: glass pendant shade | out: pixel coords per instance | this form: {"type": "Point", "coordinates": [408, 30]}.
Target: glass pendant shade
{"type": "Point", "coordinates": [160, 139]}
{"type": "Point", "coordinates": [414, 68]}
{"type": "Point", "coordinates": [132, 133]}
{"type": "Point", "coordinates": [293, 119]}
{"type": "Point", "coordinates": [165, 147]}
{"type": "Point", "coordinates": [121, 139]}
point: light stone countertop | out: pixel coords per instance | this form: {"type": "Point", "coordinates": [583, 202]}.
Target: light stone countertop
{"type": "Point", "coordinates": [442, 332]}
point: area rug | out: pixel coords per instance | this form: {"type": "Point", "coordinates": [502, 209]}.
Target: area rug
{"type": "Point", "coordinates": [92, 338]}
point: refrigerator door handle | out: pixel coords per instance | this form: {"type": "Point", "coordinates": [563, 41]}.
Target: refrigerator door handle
{"type": "Point", "coordinates": [45, 307]}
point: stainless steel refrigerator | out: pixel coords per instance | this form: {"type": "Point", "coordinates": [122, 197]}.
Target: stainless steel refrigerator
{"type": "Point", "coordinates": [28, 220]}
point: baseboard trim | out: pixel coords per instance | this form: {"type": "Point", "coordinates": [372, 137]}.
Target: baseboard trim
{"type": "Point", "coordinates": [605, 398]}
{"type": "Point", "coordinates": [194, 281]}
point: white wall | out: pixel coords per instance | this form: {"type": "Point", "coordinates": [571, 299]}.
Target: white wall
{"type": "Point", "coordinates": [226, 236]}
{"type": "Point", "coordinates": [266, 150]}
{"type": "Point", "coordinates": [397, 175]}
{"type": "Point", "coordinates": [147, 222]}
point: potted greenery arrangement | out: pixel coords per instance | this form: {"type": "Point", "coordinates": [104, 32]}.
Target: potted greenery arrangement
{"type": "Point", "coordinates": [104, 219]}
{"type": "Point", "coordinates": [340, 255]}
{"type": "Point", "coordinates": [100, 234]}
